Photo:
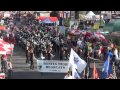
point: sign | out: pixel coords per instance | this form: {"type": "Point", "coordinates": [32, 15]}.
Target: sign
{"type": "Point", "coordinates": [45, 14]}
{"type": "Point", "coordinates": [52, 66]}
{"type": "Point", "coordinates": [74, 24]}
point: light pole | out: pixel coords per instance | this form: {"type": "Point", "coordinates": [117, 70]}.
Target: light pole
{"type": "Point", "coordinates": [100, 18]}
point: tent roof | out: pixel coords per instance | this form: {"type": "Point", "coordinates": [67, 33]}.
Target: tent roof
{"type": "Point", "coordinates": [47, 20]}
{"type": "Point", "coordinates": [2, 28]}
{"type": "Point", "coordinates": [42, 18]}
{"type": "Point", "coordinates": [90, 13]}
{"type": "Point", "coordinates": [113, 26]}
{"type": "Point", "coordinates": [53, 19]}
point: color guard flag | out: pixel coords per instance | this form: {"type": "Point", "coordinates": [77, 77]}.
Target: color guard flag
{"type": "Point", "coordinates": [75, 74]}
{"type": "Point", "coordinates": [107, 68]}
{"type": "Point", "coordinates": [95, 73]}
{"type": "Point", "coordinates": [76, 62]}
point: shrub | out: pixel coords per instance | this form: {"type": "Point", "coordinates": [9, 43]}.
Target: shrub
{"type": "Point", "coordinates": [115, 40]}
{"type": "Point", "coordinates": [66, 22]}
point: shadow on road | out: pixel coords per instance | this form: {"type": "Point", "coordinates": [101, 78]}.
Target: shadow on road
{"type": "Point", "coordinates": [37, 75]}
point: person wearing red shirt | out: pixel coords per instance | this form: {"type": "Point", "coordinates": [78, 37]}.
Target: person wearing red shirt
{"type": "Point", "coordinates": [5, 38]}
{"type": "Point", "coordinates": [102, 52]}
{"type": "Point", "coordinates": [12, 40]}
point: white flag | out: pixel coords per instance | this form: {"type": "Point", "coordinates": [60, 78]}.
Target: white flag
{"type": "Point", "coordinates": [76, 62]}
{"type": "Point", "coordinates": [75, 74]}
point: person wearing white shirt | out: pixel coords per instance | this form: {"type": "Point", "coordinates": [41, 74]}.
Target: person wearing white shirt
{"type": "Point", "coordinates": [116, 53]}
{"type": "Point", "coordinates": [79, 42]}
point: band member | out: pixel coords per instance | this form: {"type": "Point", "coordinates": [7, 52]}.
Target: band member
{"type": "Point", "coordinates": [27, 53]}
{"type": "Point", "coordinates": [31, 57]}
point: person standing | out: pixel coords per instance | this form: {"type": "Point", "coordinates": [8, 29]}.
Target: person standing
{"type": "Point", "coordinates": [27, 53]}
{"type": "Point", "coordinates": [4, 63]}
{"type": "Point", "coordinates": [9, 66]}
{"type": "Point", "coordinates": [31, 57]}
{"type": "Point", "coordinates": [61, 53]}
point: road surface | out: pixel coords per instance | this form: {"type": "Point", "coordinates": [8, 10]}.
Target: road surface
{"type": "Point", "coordinates": [21, 70]}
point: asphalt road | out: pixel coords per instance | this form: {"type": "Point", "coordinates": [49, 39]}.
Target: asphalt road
{"type": "Point", "coordinates": [21, 70]}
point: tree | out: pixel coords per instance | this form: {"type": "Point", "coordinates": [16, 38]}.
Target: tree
{"type": "Point", "coordinates": [76, 14]}
{"type": "Point", "coordinates": [96, 12]}
{"type": "Point", "coordinates": [54, 14]}
{"type": "Point", "coordinates": [83, 12]}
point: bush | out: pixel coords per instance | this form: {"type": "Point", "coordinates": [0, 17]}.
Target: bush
{"type": "Point", "coordinates": [118, 48]}
{"type": "Point", "coordinates": [66, 22]}
{"type": "Point", "coordinates": [115, 40]}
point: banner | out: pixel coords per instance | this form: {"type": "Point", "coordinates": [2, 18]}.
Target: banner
{"type": "Point", "coordinates": [52, 66]}
{"type": "Point", "coordinates": [45, 14]}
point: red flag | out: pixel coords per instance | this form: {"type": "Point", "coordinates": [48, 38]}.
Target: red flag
{"type": "Point", "coordinates": [95, 72]}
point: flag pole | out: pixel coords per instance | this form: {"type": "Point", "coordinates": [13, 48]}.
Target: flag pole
{"type": "Point", "coordinates": [84, 74]}
{"type": "Point", "coordinates": [87, 68]}
{"type": "Point", "coordinates": [93, 70]}
{"type": "Point", "coordinates": [108, 66]}
{"type": "Point", "coordinates": [100, 18]}
{"type": "Point", "coordinates": [114, 72]}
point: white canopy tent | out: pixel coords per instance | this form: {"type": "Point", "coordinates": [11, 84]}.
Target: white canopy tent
{"type": "Point", "coordinates": [90, 15]}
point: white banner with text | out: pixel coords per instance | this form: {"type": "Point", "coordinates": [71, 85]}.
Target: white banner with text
{"type": "Point", "coordinates": [52, 66]}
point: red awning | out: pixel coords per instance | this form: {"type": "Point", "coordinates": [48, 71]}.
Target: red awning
{"type": "Point", "coordinates": [2, 28]}
{"type": "Point", "coordinates": [42, 18]}
{"type": "Point", "coordinates": [53, 19]}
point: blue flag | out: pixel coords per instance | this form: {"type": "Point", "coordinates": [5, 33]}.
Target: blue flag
{"type": "Point", "coordinates": [107, 68]}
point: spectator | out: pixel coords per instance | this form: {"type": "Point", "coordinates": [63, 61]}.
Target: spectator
{"type": "Point", "coordinates": [4, 63]}
{"type": "Point", "coordinates": [9, 66]}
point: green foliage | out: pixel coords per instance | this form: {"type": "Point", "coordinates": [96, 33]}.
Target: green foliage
{"type": "Point", "coordinates": [54, 14]}
{"type": "Point", "coordinates": [96, 12]}
{"type": "Point", "coordinates": [115, 40]}
{"type": "Point", "coordinates": [66, 22]}
{"type": "Point", "coordinates": [118, 48]}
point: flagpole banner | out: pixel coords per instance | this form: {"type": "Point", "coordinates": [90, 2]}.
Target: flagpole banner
{"type": "Point", "coordinates": [75, 74]}
{"type": "Point", "coordinates": [76, 62]}
{"type": "Point", "coordinates": [52, 66]}
{"type": "Point", "coordinates": [95, 72]}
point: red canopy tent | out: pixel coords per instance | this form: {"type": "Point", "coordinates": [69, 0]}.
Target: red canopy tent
{"type": "Point", "coordinates": [2, 28]}
{"type": "Point", "coordinates": [42, 18]}
{"type": "Point", "coordinates": [2, 50]}
{"type": "Point", "coordinates": [53, 19]}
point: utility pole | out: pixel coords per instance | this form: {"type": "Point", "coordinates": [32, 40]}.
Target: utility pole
{"type": "Point", "coordinates": [100, 18]}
